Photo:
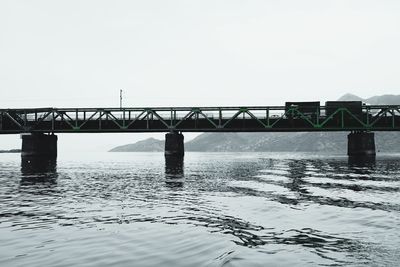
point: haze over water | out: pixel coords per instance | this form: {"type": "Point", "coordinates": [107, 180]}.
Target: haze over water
{"type": "Point", "coordinates": [215, 209]}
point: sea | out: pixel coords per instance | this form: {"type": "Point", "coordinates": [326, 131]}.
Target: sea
{"type": "Point", "coordinates": [210, 209]}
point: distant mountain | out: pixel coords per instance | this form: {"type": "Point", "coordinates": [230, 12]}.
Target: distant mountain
{"type": "Point", "coordinates": [219, 142]}
{"type": "Point", "coordinates": [383, 100]}
{"type": "Point", "coordinates": [375, 100]}
{"type": "Point", "coordinates": [309, 142]}
{"type": "Point", "coordinates": [312, 142]}
{"type": "Point", "coordinates": [273, 142]}
{"type": "Point", "coordinates": [350, 97]}
{"type": "Point", "coordinates": [148, 145]}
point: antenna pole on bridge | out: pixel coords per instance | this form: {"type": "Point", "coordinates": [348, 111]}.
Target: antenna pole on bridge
{"type": "Point", "coordinates": [120, 98]}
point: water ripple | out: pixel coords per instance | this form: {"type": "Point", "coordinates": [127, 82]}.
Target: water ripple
{"type": "Point", "coordinates": [211, 210]}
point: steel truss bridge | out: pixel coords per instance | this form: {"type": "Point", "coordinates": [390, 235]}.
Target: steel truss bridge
{"type": "Point", "coordinates": [198, 119]}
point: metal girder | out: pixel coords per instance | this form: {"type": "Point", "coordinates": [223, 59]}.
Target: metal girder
{"type": "Point", "coordinates": [232, 118]}
{"type": "Point", "coordinates": [257, 119]}
{"type": "Point", "coordinates": [137, 118]}
{"type": "Point", "coordinates": [13, 120]}
{"type": "Point", "coordinates": [159, 117]}
{"type": "Point", "coordinates": [187, 116]}
{"type": "Point", "coordinates": [380, 115]}
{"type": "Point", "coordinates": [199, 119]}
{"type": "Point", "coordinates": [114, 120]}
{"type": "Point", "coordinates": [208, 119]}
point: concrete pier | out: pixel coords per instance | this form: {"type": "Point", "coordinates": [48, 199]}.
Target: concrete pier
{"type": "Point", "coordinates": [174, 145]}
{"type": "Point", "coordinates": [39, 145]}
{"type": "Point", "coordinates": [361, 144]}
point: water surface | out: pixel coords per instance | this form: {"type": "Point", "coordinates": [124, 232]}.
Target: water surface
{"type": "Point", "coordinates": [215, 209]}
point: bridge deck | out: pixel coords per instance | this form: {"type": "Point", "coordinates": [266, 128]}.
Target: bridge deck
{"type": "Point", "coordinates": [198, 119]}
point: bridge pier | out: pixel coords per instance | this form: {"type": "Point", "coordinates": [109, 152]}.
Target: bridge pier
{"type": "Point", "coordinates": [361, 144]}
{"type": "Point", "coordinates": [174, 145]}
{"type": "Point", "coordinates": [39, 145]}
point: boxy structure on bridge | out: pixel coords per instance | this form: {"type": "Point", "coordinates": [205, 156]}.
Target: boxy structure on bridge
{"type": "Point", "coordinates": [38, 126]}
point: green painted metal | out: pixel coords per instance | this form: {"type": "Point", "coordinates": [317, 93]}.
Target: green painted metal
{"type": "Point", "coordinates": [198, 119]}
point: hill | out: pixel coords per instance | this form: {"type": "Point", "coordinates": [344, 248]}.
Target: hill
{"type": "Point", "coordinates": [148, 145]}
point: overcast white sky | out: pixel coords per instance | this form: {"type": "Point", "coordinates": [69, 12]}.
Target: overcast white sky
{"type": "Point", "coordinates": [192, 53]}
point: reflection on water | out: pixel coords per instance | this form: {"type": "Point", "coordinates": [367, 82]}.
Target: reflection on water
{"type": "Point", "coordinates": [211, 210]}
{"type": "Point", "coordinates": [35, 165]}
{"type": "Point", "coordinates": [362, 162]}
{"type": "Point", "coordinates": [174, 176]}
{"type": "Point", "coordinates": [38, 170]}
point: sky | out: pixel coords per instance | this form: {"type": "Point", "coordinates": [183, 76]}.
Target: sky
{"type": "Point", "coordinates": [192, 53]}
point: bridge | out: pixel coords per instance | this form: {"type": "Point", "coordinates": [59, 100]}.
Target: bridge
{"type": "Point", "coordinates": [39, 125]}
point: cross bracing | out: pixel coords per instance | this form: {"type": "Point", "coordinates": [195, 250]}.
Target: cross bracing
{"type": "Point", "coordinates": [199, 119]}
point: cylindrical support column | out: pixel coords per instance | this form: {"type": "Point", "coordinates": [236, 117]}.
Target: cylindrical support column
{"type": "Point", "coordinates": [174, 144]}
{"type": "Point", "coordinates": [361, 144]}
{"type": "Point", "coordinates": [39, 145]}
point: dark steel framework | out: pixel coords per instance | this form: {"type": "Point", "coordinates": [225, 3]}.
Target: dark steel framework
{"type": "Point", "coordinates": [198, 119]}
